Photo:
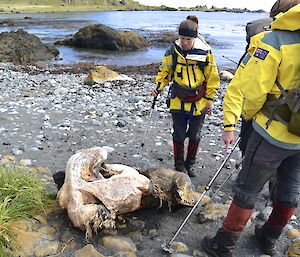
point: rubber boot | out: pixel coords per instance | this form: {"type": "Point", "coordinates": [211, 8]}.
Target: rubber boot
{"type": "Point", "coordinates": [191, 157]}
{"type": "Point", "coordinates": [268, 234]}
{"type": "Point", "coordinates": [179, 156]}
{"type": "Point", "coordinates": [223, 244]}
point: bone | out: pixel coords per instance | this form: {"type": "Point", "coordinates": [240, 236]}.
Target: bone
{"type": "Point", "coordinates": [94, 192]}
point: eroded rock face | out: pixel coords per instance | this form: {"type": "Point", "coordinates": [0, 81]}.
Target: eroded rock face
{"type": "Point", "coordinates": [94, 193]}
{"type": "Point", "coordinates": [99, 36]}
{"type": "Point", "coordinates": [21, 47]}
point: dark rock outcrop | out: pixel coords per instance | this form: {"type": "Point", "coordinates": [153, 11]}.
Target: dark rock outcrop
{"type": "Point", "coordinates": [22, 47]}
{"type": "Point", "coordinates": [100, 36]}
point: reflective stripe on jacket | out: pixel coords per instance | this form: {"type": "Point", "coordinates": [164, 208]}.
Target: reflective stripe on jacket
{"type": "Point", "coordinates": [187, 73]}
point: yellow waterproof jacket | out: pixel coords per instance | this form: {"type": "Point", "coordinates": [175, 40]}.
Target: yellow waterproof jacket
{"type": "Point", "coordinates": [187, 73]}
{"type": "Point", "coordinates": [276, 58]}
{"type": "Point", "coordinates": [233, 100]}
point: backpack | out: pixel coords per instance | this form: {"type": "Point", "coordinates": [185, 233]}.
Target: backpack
{"type": "Point", "coordinates": [257, 26]}
{"type": "Point", "coordinates": [285, 109]}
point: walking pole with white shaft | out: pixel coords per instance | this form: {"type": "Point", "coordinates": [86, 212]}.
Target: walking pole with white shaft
{"type": "Point", "coordinates": [149, 123]}
{"type": "Point", "coordinates": [167, 246]}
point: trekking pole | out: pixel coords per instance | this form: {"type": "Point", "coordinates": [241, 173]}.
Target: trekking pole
{"type": "Point", "coordinates": [167, 246]}
{"type": "Point", "coordinates": [228, 177]}
{"type": "Point", "coordinates": [149, 123]}
{"type": "Point", "coordinates": [230, 59]}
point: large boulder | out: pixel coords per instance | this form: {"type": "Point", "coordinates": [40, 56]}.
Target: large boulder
{"type": "Point", "coordinates": [99, 36]}
{"type": "Point", "coordinates": [21, 47]}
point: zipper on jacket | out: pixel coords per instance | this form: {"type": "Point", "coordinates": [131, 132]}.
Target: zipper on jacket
{"type": "Point", "coordinates": [194, 73]}
{"type": "Point", "coordinates": [187, 71]}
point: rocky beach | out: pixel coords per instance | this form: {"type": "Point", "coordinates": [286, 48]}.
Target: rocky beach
{"type": "Point", "coordinates": [48, 113]}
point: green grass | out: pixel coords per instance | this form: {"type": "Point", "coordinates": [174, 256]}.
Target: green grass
{"type": "Point", "coordinates": [21, 196]}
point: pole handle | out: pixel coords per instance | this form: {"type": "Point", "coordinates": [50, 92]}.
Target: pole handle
{"type": "Point", "coordinates": [155, 97]}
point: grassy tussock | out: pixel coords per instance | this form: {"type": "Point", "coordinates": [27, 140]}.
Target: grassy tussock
{"type": "Point", "coordinates": [21, 196]}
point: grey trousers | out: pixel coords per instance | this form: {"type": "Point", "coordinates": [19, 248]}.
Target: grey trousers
{"type": "Point", "coordinates": [262, 161]}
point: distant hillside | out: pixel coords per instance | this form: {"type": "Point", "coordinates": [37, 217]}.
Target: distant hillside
{"type": "Point", "coordinates": [98, 5]}
{"type": "Point", "coordinates": [69, 2]}
{"type": "Point", "coordinates": [70, 5]}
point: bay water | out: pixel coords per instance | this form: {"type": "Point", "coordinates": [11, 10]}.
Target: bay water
{"type": "Point", "coordinates": [223, 30]}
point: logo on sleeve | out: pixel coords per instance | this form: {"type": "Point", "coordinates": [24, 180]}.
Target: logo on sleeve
{"type": "Point", "coordinates": [261, 53]}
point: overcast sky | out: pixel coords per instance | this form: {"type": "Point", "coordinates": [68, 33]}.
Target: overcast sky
{"type": "Point", "coordinates": [249, 4]}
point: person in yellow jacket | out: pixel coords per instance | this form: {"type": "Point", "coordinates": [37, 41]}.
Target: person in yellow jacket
{"type": "Point", "coordinates": [270, 85]}
{"type": "Point", "coordinates": [191, 67]}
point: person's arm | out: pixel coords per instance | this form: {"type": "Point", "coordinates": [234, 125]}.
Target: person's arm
{"type": "Point", "coordinates": [232, 108]}
{"type": "Point", "coordinates": [164, 75]}
{"type": "Point", "coordinates": [233, 102]}
{"type": "Point", "coordinates": [213, 82]}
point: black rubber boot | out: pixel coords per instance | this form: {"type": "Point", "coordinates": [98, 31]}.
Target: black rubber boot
{"type": "Point", "coordinates": [222, 244]}
{"type": "Point", "coordinates": [191, 158]}
{"type": "Point", "coordinates": [179, 156]}
{"type": "Point", "coordinates": [267, 236]}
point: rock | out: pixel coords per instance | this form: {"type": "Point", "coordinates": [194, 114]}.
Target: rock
{"type": "Point", "coordinates": [179, 247]}
{"type": "Point", "coordinates": [213, 212]}
{"type": "Point", "coordinates": [226, 75]}
{"type": "Point", "coordinates": [25, 162]}
{"type": "Point", "coordinates": [152, 233]}
{"type": "Point", "coordinates": [16, 151]}
{"type": "Point", "coordinates": [197, 253]}
{"type": "Point", "coordinates": [88, 250]}
{"type": "Point", "coordinates": [108, 148]}
{"type": "Point", "coordinates": [294, 248]}
{"type": "Point", "coordinates": [265, 213]}
{"type": "Point", "coordinates": [100, 36]}
{"type": "Point", "coordinates": [180, 255]}
{"type": "Point", "coordinates": [46, 249]}
{"type": "Point", "coordinates": [136, 224]}
{"type": "Point", "coordinates": [293, 233]}
{"type": "Point", "coordinates": [125, 254]}
{"type": "Point", "coordinates": [124, 244]}
{"type": "Point", "coordinates": [21, 47]}
{"type": "Point", "coordinates": [100, 74]}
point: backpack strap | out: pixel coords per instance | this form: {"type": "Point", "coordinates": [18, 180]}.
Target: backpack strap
{"type": "Point", "coordinates": [279, 109]}
{"type": "Point", "coordinates": [174, 60]}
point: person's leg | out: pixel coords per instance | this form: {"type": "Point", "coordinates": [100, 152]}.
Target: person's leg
{"type": "Point", "coordinates": [179, 135]}
{"type": "Point", "coordinates": [287, 195]}
{"type": "Point", "coordinates": [246, 131]}
{"type": "Point", "coordinates": [194, 134]}
{"type": "Point", "coordinates": [245, 134]}
{"type": "Point", "coordinates": [248, 185]}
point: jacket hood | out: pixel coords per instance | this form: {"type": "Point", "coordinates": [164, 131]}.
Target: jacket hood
{"type": "Point", "coordinates": [289, 20]}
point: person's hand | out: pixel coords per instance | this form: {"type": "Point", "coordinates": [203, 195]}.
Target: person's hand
{"type": "Point", "coordinates": [228, 139]}
{"type": "Point", "coordinates": [209, 108]}
{"type": "Point", "coordinates": [154, 92]}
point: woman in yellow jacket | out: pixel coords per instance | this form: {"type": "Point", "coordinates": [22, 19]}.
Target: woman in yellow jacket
{"type": "Point", "coordinates": [270, 85]}
{"type": "Point", "coordinates": [190, 65]}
